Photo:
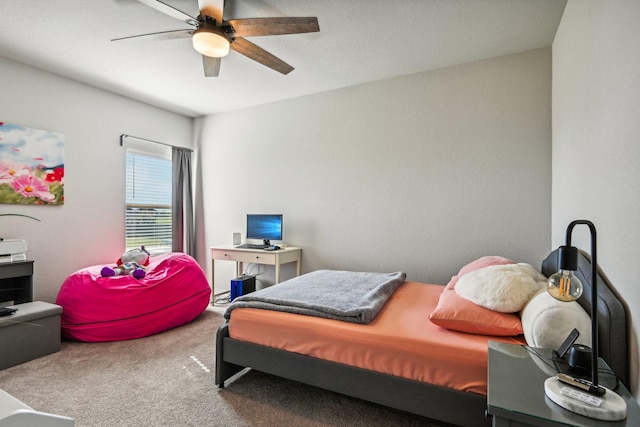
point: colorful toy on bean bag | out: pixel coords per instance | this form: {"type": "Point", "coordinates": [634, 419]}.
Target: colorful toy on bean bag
{"type": "Point", "coordinates": [133, 263]}
{"type": "Point", "coordinates": [128, 268]}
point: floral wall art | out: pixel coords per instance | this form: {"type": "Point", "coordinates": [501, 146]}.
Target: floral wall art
{"type": "Point", "coordinates": [31, 166]}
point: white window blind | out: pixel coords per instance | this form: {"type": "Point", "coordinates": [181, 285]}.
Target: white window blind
{"type": "Point", "coordinates": [148, 201]}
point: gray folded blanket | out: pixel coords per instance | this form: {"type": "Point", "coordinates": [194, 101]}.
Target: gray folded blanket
{"type": "Point", "coordinates": [350, 296]}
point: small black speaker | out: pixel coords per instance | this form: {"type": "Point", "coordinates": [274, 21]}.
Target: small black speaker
{"type": "Point", "coordinates": [580, 358]}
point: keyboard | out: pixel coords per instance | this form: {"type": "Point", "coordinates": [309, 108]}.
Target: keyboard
{"type": "Point", "coordinates": [248, 246]}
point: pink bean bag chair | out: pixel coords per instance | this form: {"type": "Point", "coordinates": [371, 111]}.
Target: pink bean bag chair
{"type": "Point", "coordinates": [174, 291]}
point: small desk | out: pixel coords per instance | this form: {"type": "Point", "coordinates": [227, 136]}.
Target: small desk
{"type": "Point", "coordinates": [515, 391]}
{"type": "Point", "coordinates": [256, 256]}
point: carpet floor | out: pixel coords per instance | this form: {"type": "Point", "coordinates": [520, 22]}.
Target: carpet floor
{"type": "Point", "coordinates": [168, 380]}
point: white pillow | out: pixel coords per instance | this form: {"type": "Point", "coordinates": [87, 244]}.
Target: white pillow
{"type": "Point", "coordinates": [547, 322]}
{"type": "Point", "coordinates": [503, 288]}
{"type": "Point", "coordinates": [535, 274]}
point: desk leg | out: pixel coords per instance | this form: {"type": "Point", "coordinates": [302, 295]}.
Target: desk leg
{"type": "Point", "coordinates": [213, 282]}
{"type": "Point", "coordinates": [214, 295]}
{"type": "Point", "coordinates": [298, 267]}
{"type": "Point", "coordinates": [278, 271]}
{"type": "Point", "coordinates": [239, 269]}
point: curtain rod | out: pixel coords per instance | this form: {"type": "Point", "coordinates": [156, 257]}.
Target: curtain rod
{"type": "Point", "coordinates": [125, 136]}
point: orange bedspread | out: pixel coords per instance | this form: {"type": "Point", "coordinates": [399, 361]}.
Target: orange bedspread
{"type": "Point", "coordinates": [400, 340]}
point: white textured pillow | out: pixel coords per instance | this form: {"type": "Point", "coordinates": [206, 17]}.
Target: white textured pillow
{"type": "Point", "coordinates": [547, 322]}
{"type": "Point", "coordinates": [503, 288]}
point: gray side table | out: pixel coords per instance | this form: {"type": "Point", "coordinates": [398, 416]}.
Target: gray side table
{"type": "Point", "coordinates": [515, 392]}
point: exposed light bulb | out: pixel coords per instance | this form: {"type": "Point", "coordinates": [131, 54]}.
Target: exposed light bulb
{"type": "Point", "coordinates": [564, 286]}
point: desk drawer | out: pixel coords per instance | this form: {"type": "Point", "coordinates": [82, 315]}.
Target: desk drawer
{"type": "Point", "coordinates": [257, 257]}
{"type": "Point", "coordinates": [16, 269]}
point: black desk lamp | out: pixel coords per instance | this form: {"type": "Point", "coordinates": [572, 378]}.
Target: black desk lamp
{"type": "Point", "coordinates": [603, 403]}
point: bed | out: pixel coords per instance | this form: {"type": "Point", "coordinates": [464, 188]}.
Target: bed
{"type": "Point", "coordinates": [419, 391]}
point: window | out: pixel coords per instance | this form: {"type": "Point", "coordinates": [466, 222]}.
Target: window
{"type": "Point", "coordinates": [148, 201]}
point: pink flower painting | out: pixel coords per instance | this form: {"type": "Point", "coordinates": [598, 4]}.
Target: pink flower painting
{"type": "Point", "coordinates": [31, 166]}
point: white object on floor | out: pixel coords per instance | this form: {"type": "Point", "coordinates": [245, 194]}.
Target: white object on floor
{"type": "Point", "coordinates": [14, 413]}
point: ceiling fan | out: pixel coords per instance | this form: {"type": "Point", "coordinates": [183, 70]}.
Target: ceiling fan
{"type": "Point", "coordinates": [212, 36]}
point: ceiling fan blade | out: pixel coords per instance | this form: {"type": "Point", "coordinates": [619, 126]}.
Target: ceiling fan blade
{"type": "Point", "coordinates": [171, 11]}
{"type": "Point", "coordinates": [260, 55]}
{"type": "Point", "coordinates": [212, 8]}
{"type": "Point", "coordinates": [211, 66]}
{"type": "Point", "coordinates": [273, 26]}
{"type": "Point", "coordinates": [163, 35]}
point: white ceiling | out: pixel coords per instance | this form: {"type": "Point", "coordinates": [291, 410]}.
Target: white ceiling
{"type": "Point", "coordinates": [359, 41]}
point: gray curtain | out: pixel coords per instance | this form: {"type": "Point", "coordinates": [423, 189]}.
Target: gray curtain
{"type": "Point", "coordinates": [183, 238]}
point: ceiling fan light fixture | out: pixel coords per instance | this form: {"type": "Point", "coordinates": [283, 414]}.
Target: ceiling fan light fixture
{"type": "Point", "coordinates": [209, 42]}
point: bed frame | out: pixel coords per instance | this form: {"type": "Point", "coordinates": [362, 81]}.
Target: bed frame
{"type": "Point", "coordinates": [431, 401]}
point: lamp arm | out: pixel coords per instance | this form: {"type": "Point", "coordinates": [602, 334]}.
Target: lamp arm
{"type": "Point", "coordinates": [594, 294]}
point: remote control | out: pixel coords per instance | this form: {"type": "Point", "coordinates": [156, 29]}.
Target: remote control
{"type": "Point", "coordinates": [581, 396]}
{"type": "Point", "coordinates": [7, 311]}
{"type": "Point", "coordinates": [581, 384]}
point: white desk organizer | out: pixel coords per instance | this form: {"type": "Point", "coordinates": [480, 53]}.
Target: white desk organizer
{"type": "Point", "coordinates": [12, 250]}
{"type": "Point", "coordinates": [612, 408]}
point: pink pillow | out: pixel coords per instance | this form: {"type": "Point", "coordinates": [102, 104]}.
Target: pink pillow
{"type": "Point", "coordinates": [483, 262]}
{"type": "Point", "coordinates": [459, 314]}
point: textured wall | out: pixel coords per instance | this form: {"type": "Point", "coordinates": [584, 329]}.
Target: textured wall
{"type": "Point", "coordinates": [420, 173]}
{"type": "Point", "coordinates": [596, 133]}
{"type": "Point", "coordinates": [89, 228]}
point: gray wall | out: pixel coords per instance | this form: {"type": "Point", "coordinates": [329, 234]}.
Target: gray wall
{"type": "Point", "coordinates": [596, 140]}
{"type": "Point", "coordinates": [89, 228]}
{"type": "Point", "coordinates": [420, 173]}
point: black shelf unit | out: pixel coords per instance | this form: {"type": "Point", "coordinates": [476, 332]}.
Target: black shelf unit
{"type": "Point", "coordinates": [16, 282]}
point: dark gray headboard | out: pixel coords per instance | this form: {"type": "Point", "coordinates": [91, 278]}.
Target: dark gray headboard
{"type": "Point", "coordinates": [613, 333]}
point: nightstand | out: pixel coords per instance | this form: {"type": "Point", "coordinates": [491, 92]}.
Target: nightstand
{"type": "Point", "coordinates": [515, 392]}
{"type": "Point", "coordinates": [16, 282]}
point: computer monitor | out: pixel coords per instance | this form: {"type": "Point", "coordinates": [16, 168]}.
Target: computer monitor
{"type": "Point", "coordinates": [265, 227]}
